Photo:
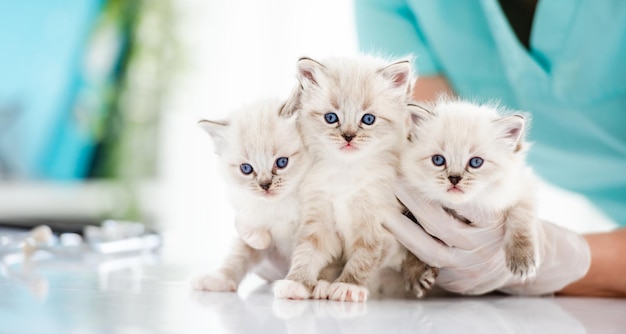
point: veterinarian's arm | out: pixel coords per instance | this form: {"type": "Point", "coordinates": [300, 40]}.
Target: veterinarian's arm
{"type": "Point", "coordinates": [607, 274]}
{"type": "Point", "coordinates": [427, 88]}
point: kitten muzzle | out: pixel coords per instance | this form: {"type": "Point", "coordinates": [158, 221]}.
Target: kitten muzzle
{"type": "Point", "coordinates": [348, 147]}
{"type": "Point", "coordinates": [348, 137]}
{"type": "Point", "coordinates": [455, 179]}
{"type": "Point", "coordinates": [265, 185]}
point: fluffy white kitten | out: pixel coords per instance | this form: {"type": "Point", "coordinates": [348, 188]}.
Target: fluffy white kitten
{"type": "Point", "coordinates": [263, 159]}
{"type": "Point", "coordinates": [353, 118]}
{"type": "Point", "coordinates": [470, 159]}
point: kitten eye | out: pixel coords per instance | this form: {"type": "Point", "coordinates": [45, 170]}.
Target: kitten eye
{"type": "Point", "coordinates": [438, 160]}
{"type": "Point", "coordinates": [282, 162]}
{"type": "Point", "coordinates": [246, 168]}
{"type": "Point", "coordinates": [331, 118]}
{"type": "Point", "coordinates": [368, 119]}
{"type": "Point", "coordinates": [476, 162]}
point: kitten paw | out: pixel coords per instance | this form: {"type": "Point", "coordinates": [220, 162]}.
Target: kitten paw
{"type": "Point", "coordinates": [423, 283]}
{"type": "Point", "coordinates": [256, 238]}
{"type": "Point", "coordinates": [345, 292]}
{"type": "Point", "coordinates": [522, 261]}
{"type": "Point", "coordinates": [213, 283]}
{"type": "Point", "coordinates": [418, 276]}
{"type": "Point", "coordinates": [321, 290]}
{"type": "Point", "coordinates": [288, 289]}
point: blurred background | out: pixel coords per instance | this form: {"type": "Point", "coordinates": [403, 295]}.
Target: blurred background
{"type": "Point", "coordinates": [81, 99]}
{"type": "Point", "coordinates": [99, 101]}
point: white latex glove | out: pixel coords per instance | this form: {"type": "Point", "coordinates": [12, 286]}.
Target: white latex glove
{"type": "Point", "coordinates": [471, 259]}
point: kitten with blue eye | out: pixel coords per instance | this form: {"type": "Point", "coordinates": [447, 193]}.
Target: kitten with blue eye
{"type": "Point", "coordinates": [470, 159]}
{"type": "Point", "coordinates": [262, 157]}
{"type": "Point", "coordinates": [353, 118]}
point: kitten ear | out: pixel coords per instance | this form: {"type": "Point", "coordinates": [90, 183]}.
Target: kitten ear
{"type": "Point", "coordinates": [309, 72]}
{"type": "Point", "coordinates": [292, 104]}
{"type": "Point", "coordinates": [217, 130]}
{"type": "Point", "coordinates": [418, 114]}
{"type": "Point", "coordinates": [399, 74]}
{"type": "Point", "coordinates": [512, 130]}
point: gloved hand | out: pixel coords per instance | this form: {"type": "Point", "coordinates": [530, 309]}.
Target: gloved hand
{"type": "Point", "coordinates": [471, 258]}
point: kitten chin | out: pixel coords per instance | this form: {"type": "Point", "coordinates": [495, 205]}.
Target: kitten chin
{"type": "Point", "coordinates": [263, 159]}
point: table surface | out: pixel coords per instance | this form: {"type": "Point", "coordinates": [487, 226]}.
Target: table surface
{"type": "Point", "coordinates": [149, 293]}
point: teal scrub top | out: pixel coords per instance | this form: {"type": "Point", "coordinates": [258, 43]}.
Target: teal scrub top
{"type": "Point", "coordinates": [572, 79]}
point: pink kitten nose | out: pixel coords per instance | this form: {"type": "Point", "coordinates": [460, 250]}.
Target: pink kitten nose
{"type": "Point", "coordinates": [454, 179]}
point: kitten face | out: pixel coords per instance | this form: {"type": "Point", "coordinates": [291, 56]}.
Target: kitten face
{"type": "Point", "coordinates": [462, 150]}
{"type": "Point", "coordinates": [261, 153]}
{"type": "Point", "coordinates": [352, 107]}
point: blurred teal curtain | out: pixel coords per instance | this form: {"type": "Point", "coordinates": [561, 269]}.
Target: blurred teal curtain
{"type": "Point", "coordinates": [49, 96]}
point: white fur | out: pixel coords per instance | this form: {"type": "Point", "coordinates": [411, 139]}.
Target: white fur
{"type": "Point", "coordinates": [266, 220]}
{"type": "Point", "coordinates": [501, 191]}
{"type": "Point", "coordinates": [348, 192]}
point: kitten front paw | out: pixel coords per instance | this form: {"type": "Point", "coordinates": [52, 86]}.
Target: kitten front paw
{"type": "Point", "coordinates": [322, 290]}
{"type": "Point", "coordinates": [522, 259]}
{"type": "Point", "coordinates": [288, 289]}
{"type": "Point", "coordinates": [345, 292]}
{"type": "Point", "coordinates": [256, 238]}
{"type": "Point", "coordinates": [213, 283]}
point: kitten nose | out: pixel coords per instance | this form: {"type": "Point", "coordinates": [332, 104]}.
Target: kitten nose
{"type": "Point", "coordinates": [265, 184]}
{"type": "Point", "coordinates": [454, 179]}
{"type": "Point", "coordinates": [348, 136]}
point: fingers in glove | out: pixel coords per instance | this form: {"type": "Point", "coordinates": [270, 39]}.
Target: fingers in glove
{"type": "Point", "coordinates": [417, 241]}
{"type": "Point", "coordinates": [444, 226]}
